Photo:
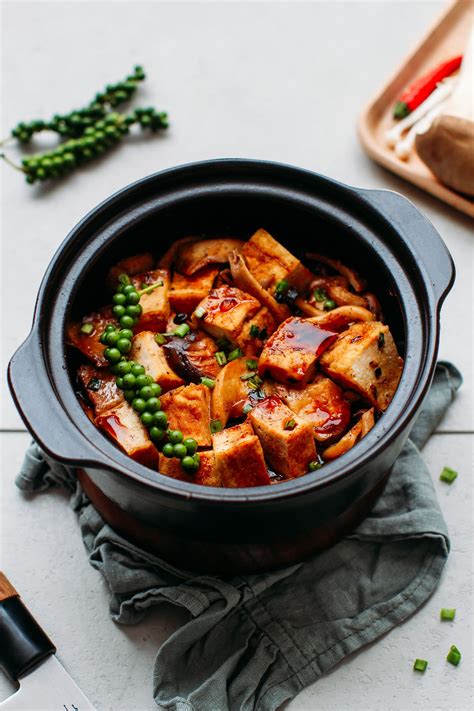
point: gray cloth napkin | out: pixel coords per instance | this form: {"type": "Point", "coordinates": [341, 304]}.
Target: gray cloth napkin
{"type": "Point", "coordinates": [254, 642]}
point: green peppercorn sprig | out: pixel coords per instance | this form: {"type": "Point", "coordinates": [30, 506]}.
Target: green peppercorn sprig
{"type": "Point", "coordinates": [139, 389]}
{"type": "Point", "coordinates": [75, 122]}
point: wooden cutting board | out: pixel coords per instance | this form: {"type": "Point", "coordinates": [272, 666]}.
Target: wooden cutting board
{"type": "Point", "coordinates": [447, 38]}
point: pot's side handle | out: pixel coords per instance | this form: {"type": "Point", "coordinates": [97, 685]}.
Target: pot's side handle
{"type": "Point", "coordinates": [421, 235]}
{"type": "Point", "coordinates": [41, 411]}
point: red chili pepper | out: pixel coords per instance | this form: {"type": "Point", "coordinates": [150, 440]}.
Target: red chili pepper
{"type": "Point", "coordinates": [417, 92]}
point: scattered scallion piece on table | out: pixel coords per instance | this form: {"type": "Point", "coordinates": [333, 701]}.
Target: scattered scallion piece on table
{"type": "Point", "coordinates": [448, 475]}
{"type": "Point", "coordinates": [454, 655]}
{"type": "Point", "coordinates": [420, 665]}
{"type": "Point", "coordinates": [447, 613]}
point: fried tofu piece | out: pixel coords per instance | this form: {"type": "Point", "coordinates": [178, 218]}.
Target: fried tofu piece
{"type": "Point", "coordinates": [321, 403]}
{"type": "Point", "coordinates": [155, 305]}
{"type": "Point", "coordinates": [239, 457]}
{"type": "Point", "coordinates": [291, 353]}
{"type": "Point", "coordinates": [270, 262]}
{"type": "Point", "coordinates": [364, 358]}
{"type": "Point", "coordinates": [100, 388]}
{"type": "Point", "coordinates": [187, 291]}
{"type": "Point", "coordinates": [130, 265]}
{"type": "Point", "coordinates": [206, 475]}
{"type": "Point", "coordinates": [124, 426]}
{"type": "Point", "coordinates": [226, 309]}
{"type": "Point", "coordinates": [89, 343]}
{"type": "Point", "coordinates": [287, 440]}
{"type": "Point", "coordinates": [188, 410]}
{"type": "Point", "coordinates": [266, 325]}
{"type": "Point", "coordinates": [147, 352]}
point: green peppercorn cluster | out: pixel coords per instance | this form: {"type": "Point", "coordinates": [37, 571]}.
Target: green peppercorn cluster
{"type": "Point", "coordinates": [88, 132]}
{"type": "Point", "coordinates": [75, 122]}
{"type": "Point", "coordinates": [139, 389]}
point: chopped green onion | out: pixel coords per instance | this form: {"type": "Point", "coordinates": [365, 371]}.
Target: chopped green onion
{"type": "Point", "coordinates": [215, 426]}
{"type": "Point", "coordinates": [254, 331]}
{"type": "Point", "coordinates": [281, 287]}
{"type": "Point", "coordinates": [160, 339]}
{"type": "Point", "coordinates": [320, 295]}
{"type": "Point", "coordinates": [246, 408]}
{"type": "Point", "coordinates": [87, 328]}
{"type": "Point", "coordinates": [448, 475]}
{"type": "Point", "coordinates": [381, 340]}
{"type": "Point", "coordinates": [151, 287]}
{"type": "Point", "coordinates": [329, 305]}
{"type": "Point", "coordinates": [209, 382]}
{"type": "Point", "coordinates": [454, 655]}
{"type": "Point", "coordinates": [254, 381]}
{"type": "Point", "coordinates": [233, 355]}
{"type": "Point", "coordinates": [289, 424]}
{"type": "Point", "coordinates": [200, 312]}
{"type": "Point", "coordinates": [124, 279]}
{"type": "Point", "coordinates": [251, 364]}
{"type": "Point", "coordinates": [247, 376]}
{"type": "Point", "coordinates": [420, 665]}
{"type": "Point", "coordinates": [182, 330]}
{"type": "Point", "coordinates": [448, 613]}
{"type": "Point", "coordinates": [312, 466]}
{"type": "Point", "coordinates": [220, 357]}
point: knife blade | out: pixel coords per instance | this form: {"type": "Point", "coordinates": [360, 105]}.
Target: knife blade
{"type": "Point", "coordinates": [28, 656]}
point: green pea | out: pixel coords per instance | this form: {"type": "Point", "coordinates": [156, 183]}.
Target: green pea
{"type": "Point", "coordinates": [175, 436]}
{"type": "Point", "coordinates": [113, 355]}
{"type": "Point", "coordinates": [129, 379]}
{"type": "Point", "coordinates": [160, 419]}
{"type": "Point", "coordinates": [153, 404]}
{"type": "Point", "coordinates": [168, 450]}
{"type": "Point", "coordinates": [129, 395]}
{"type": "Point", "coordinates": [110, 327]}
{"type": "Point", "coordinates": [133, 310]}
{"type": "Point", "coordinates": [143, 380]}
{"type": "Point", "coordinates": [119, 299]}
{"type": "Point", "coordinates": [156, 434]}
{"type": "Point", "coordinates": [155, 390]}
{"type": "Point", "coordinates": [146, 391]}
{"type": "Point", "coordinates": [190, 444]}
{"type": "Point", "coordinates": [129, 289]}
{"type": "Point", "coordinates": [133, 297]}
{"type": "Point", "coordinates": [138, 404]}
{"type": "Point", "coordinates": [126, 321]}
{"type": "Point", "coordinates": [138, 370]}
{"type": "Point", "coordinates": [188, 464]}
{"type": "Point", "coordinates": [146, 418]}
{"type": "Point", "coordinates": [124, 345]}
{"type": "Point", "coordinates": [119, 382]}
{"type": "Point", "coordinates": [118, 310]}
{"type": "Point", "coordinates": [126, 333]}
{"type": "Point", "coordinates": [123, 368]}
{"type": "Point", "coordinates": [111, 338]}
{"type": "Point", "coordinates": [179, 451]}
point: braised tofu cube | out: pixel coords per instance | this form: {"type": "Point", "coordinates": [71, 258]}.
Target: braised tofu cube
{"type": "Point", "coordinates": [364, 358]}
{"type": "Point", "coordinates": [269, 262]}
{"type": "Point", "coordinates": [136, 264]}
{"type": "Point", "coordinates": [124, 426]}
{"type": "Point", "coordinates": [187, 291]}
{"type": "Point", "coordinates": [287, 440]}
{"type": "Point", "coordinates": [255, 331]}
{"type": "Point", "coordinates": [100, 388]}
{"type": "Point", "coordinates": [188, 410]}
{"type": "Point", "coordinates": [323, 404]}
{"type": "Point", "coordinates": [239, 457]}
{"type": "Point", "coordinates": [155, 305]}
{"type": "Point", "coordinates": [291, 353]}
{"type": "Point", "coordinates": [206, 475]}
{"type": "Point", "coordinates": [147, 352]}
{"type": "Point", "coordinates": [89, 342]}
{"type": "Point", "coordinates": [226, 309]}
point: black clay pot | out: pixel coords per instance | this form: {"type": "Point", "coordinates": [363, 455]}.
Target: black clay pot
{"type": "Point", "coordinates": [229, 530]}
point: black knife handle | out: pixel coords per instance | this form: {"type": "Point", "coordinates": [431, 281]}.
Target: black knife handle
{"type": "Point", "coordinates": [23, 644]}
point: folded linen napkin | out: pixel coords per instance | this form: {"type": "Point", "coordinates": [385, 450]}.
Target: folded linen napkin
{"type": "Point", "coordinates": [253, 642]}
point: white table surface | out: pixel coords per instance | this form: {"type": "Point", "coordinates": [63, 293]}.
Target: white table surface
{"type": "Point", "coordinates": [280, 81]}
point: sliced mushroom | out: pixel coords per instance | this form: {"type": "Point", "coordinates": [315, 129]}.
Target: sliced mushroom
{"type": "Point", "coordinates": [359, 430]}
{"type": "Point", "coordinates": [230, 392]}
{"type": "Point", "coordinates": [356, 281]}
{"type": "Point", "coordinates": [336, 289]}
{"type": "Point", "coordinates": [208, 251]}
{"type": "Point", "coordinates": [341, 316]}
{"type": "Point", "coordinates": [130, 265]}
{"type": "Point", "coordinates": [169, 257]}
{"type": "Point", "coordinates": [192, 357]}
{"type": "Point", "coordinates": [247, 282]}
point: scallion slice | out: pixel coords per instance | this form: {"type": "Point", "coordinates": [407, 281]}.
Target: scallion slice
{"type": "Point", "coordinates": [448, 475]}
{"type": "Point", "coordinates": [215, 426]}
{"type": "Point", "coordinates": [447, 613]}
{"type": "Point", "coordinates": [160, 339]}
{"type": "Point", "coordinates": [182, 330]}
{"type": "Point", "coordinates": [208, 382]}
{"type": "Point", "coordinates": [200, 312]}
{"type": "Point", "coordinates": [289, 424]}
{"type": "Point", "coordinates": [233, 355]}
{"type": "Point", "coordinates": [221, 358]}
{"type": "Point", "coordinates": [454, 655]}
{"type": "Point", "coordinates": [87, 328]}
{"type": "Point", "coordinates": [420, 665]}
{"type": "Point", "coordinates": [251, 364]}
